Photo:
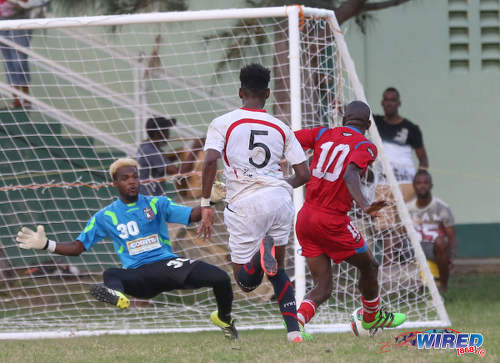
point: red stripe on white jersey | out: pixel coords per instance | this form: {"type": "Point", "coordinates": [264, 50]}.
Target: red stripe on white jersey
{"type": "Point", "coordinates": [249, 121]}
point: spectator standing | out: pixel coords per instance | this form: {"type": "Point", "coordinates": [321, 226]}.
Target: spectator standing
{"type": "Point", "coordinates": [15, 61]}
{"type": "Point", "coordinates": [400, 136]}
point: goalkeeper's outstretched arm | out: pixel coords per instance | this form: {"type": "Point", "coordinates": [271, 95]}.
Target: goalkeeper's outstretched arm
{"type": "Point", "coordinates": [37, 240]}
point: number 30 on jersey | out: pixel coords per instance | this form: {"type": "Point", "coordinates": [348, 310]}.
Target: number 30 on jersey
{"type": "Point", "coordinates": [129, 229]}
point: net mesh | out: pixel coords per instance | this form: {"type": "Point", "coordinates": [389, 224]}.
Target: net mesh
{"type": "Point", "coordinates": [91, 91]}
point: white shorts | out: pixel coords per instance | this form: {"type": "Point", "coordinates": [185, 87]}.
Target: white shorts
{"type": "Point", "coordinates": [248, 220]}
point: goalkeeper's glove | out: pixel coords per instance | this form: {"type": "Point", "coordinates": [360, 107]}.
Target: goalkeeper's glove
{"type": "Point", "coordinates": [38, 240]}
{"type": "Point", "coordinates": [218, 192]}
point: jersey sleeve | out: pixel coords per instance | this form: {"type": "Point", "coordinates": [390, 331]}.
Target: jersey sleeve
{"type": "Point", "coordinates": [307, 137]}
{"type": "Point", "coordinates": [415, 139]}
{"type": "Point", "coordinates": [173, 212]}
{"type": "Point", "coordinates": [364, 154]}
{"type": "Point", "coordinates": [215, 136]}
{"type": "Point", "coordinates": [447, 217]}
{"type": "Point", "coordinates": [93, 232]}
{"type": "Point", "coordinates": [293, 152]}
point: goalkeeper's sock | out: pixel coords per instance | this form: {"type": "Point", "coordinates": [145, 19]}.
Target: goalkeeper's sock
{"type": "Point", "coordinates": [205, 275]}
{"type": "Point", "coordinates": [306, 311]}
{"type": "Point", "coordinates": [223, 295]}
{"type": "Point", "coordinates": [285, 295]}
{"type": "Point", "coordinates": [251, 274]}
{"type": "Point", "coordinates": [370, 308]}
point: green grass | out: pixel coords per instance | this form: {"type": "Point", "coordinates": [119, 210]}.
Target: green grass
{"type": "Point", "coordinates": [473, 304]}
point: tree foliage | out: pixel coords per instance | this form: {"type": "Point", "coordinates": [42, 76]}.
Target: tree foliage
{"type": "Point", "coordinates": [114, 7]}
{"type": "Point", "coordinates": [344, 10]}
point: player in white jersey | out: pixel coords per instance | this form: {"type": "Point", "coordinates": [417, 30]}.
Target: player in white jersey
{"type": "Point", "coordinates": [259, 211]}
{"type": "Point", "coordinates": [433, 220]}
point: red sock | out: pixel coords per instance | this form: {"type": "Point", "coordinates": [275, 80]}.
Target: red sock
{"type": "Point", "coordinates": [306, 311]}
{"type": "Point", "coordinates": [370, 308]}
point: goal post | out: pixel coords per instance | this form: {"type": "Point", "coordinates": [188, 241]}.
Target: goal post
{"type": "Point", "coordinates": [94, 83]}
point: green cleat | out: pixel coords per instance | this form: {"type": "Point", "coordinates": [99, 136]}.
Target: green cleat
{"type": "Point", "coordinates": [110, 296]}
{"type": "Point", "coordinates": [384, 319]}
{"type": "Point", "coordinates": [229, 330]}
{"type": "Point", "coordinates": [305, 335]}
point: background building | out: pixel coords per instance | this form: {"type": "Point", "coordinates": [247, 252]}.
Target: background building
{"type": "Point", "coordinates": [444, 58]}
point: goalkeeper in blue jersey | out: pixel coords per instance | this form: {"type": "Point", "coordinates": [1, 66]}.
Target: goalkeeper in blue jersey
{"type": "Point", "coordinates": [136, 224]}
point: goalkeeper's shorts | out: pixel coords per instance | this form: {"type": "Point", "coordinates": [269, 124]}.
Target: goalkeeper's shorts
{"type": "Point", "coordinates": [321, 232]}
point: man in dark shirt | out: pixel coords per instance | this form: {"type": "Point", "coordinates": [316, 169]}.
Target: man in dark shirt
{"type": "Point", "coordinates": [153, 163]}
{"type": "Point", "coordinates": [400, 136]}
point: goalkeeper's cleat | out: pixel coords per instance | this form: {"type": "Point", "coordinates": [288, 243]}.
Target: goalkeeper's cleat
{"type": "Point", "coordinates": [382, 320]}
{"type": "Point", "coordinates": [110, 296]}
{"type": "Point", "coordinates": [295, 337]}
{"type": "Point", "coordinates": [268, 257]}
{"type": "Point", "coordinates": [228, 329]}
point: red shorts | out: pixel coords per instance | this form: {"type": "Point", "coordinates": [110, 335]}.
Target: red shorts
{"type": "Point", "coordinates": [324, 232]}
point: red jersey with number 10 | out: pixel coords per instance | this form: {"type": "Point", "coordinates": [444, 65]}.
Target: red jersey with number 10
{"type": "Point", "coordinates": [334, 149]}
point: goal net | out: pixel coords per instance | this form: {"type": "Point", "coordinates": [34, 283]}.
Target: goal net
{"type": "Point", "coordinates": [94, 82]}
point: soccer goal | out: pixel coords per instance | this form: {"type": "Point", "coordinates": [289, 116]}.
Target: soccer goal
{"type": "Point", "coordinates": [94, 83]}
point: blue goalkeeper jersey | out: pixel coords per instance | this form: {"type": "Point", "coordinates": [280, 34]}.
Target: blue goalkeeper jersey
{"type": "Point", "coordinates": [139, 230]}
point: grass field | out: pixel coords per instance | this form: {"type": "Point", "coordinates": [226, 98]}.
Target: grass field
{"type": "Point", "coordinates": [473, 304]}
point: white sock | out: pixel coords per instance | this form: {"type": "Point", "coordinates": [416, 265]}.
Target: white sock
{"type": "Point", "coordinates": [301, 319]}
{"type": "Point", "coordinates": [293, 336]}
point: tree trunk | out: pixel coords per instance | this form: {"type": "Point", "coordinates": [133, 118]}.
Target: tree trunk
{"type": "Point", "coordinates": [349, 9]}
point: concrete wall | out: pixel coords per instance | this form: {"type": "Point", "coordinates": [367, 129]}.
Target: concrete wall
{"type": "Point", "coordinates": [408, 47]}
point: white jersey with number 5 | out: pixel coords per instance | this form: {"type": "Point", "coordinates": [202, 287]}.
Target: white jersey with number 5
{"type": "Point", "coordinates": [252, 143]}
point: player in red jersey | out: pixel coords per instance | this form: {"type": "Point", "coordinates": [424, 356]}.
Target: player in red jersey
{"type": "Point", "coordinates": [325, 231]}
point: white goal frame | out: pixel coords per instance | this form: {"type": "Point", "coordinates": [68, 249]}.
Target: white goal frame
{"type": "Point", "coordinates": [293, 14]}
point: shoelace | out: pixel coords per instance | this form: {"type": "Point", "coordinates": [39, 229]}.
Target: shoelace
{"type": "Point", "coordinates": [230, 331]}
{"type": "Point", "coordinates": [382, 321]}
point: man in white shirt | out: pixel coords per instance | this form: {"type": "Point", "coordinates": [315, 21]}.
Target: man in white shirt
{"type": "Point", "coordinates": [259, 211]}
{"type": "Point", "coordinates": [433, 220]}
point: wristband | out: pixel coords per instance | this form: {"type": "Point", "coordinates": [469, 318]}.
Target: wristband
{"type": "Point", "coordinates": [51, 246]}
{"type": "Point", "coordinates": [205, 202]}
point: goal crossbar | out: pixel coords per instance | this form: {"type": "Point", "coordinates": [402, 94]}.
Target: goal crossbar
{"type": "Point", "coordinates": [302, 92]}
